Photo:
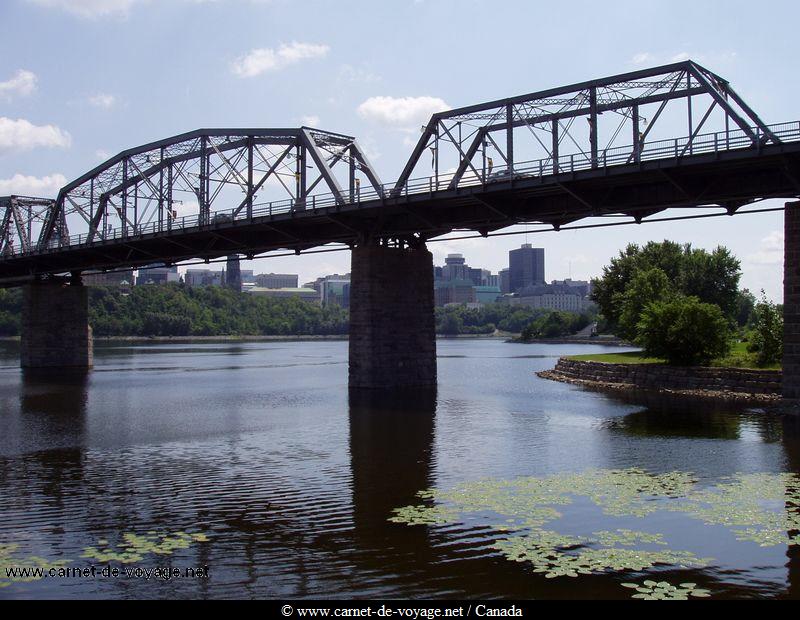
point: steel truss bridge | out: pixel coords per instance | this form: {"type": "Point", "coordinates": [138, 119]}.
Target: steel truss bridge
{"type": "Point", "coordinates": [603, 148]}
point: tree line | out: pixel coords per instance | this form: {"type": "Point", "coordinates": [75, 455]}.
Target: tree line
{"type": "Point", "coordinates": [178, 310]}
{"type": "Point", "coordinates": [683, 305]}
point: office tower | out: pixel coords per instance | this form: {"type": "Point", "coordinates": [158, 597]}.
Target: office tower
{"type": "Point", "coordinates": [526, 266]}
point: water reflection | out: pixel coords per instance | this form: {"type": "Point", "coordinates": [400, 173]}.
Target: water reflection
{"type": "Point", "coordinates": [293, 478]}
{"type": "Point", "coordinates": [791, 446]}
{"type": "Point", "coordinates": [391, 452]}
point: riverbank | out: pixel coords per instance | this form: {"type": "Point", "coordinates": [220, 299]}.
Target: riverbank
{"type": "Point", "coordinates": [604, 342]}
{"type": "Point", "coordinates": [761, 387]}
{"type": "Point", "coordinates": [305, 338]}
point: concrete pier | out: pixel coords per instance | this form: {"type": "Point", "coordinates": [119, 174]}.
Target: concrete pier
{"type": "Point", "coordinates": [55, 326]}
{"type": "Point", "coordinates": [392, 322]}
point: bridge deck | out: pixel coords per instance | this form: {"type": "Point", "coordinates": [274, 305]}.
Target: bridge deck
{"type": "Point", "coordinates": [723, 169]}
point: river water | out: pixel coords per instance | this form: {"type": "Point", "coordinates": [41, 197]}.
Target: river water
{"type": "Point", "coordinates": [253, 460]}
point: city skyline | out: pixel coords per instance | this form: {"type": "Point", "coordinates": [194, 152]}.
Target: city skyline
{"type": "Point", "coordinates": [60, 118]}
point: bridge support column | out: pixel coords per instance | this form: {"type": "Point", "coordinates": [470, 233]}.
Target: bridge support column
{"type": "Point", "coordinates": [55, 326]}
{"type": "Point", "coordinates": [392, 322]}
{"type": "Point", "coordinates": [791, 305]}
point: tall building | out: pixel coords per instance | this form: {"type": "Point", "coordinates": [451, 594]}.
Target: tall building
{"type": "Point", "coordinates": [233, 274]}
{"type": "Point", "coordinates": [505, 281]}
{"type": "Point", "coordinates": [526, 266]}
{"type": "Point", "coordinates": [455, 268]}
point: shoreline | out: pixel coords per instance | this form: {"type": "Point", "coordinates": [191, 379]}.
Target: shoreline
{"type": "Point", "coordinates": [732, 385]}
{"type": "Point", "coordinates": [289, 338]}
{"type": "Point", "coordinates": [627, 388]}
{"type": "Point", "coordinates": [585, 341]}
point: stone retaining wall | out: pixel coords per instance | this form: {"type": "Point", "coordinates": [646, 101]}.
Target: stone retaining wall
{"type": "Point", "coordinates": [763, 383]}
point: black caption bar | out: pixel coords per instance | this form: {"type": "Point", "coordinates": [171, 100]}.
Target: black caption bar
{"type": "Point", "coordinates": [413, 610]}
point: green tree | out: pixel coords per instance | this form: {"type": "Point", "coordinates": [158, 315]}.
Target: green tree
{"type": "Point", "coordinates": [684, 331]}
{"type": "Point", "coordinates": [745, 308]}
{"type": "Point", "coordinates": [452, 324]}
{"type": "Point", "coordinates": [767, 338]}
{"type": "Point", "coordinates": [713, 278]}
{"type": "Point", "coordinates": [646, 287]}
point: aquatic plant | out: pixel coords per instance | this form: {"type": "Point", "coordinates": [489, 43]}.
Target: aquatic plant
{"type": "Point", "coordinates": [759, 508]}
{"type": "Point", "coordinates": [556, 555]}
{"type": "Point", "coordinates": [8, 560]}
{"type": "Point", "coordinates": [134, 547]}
{"type": "Point", "coordinates": [663, 591]}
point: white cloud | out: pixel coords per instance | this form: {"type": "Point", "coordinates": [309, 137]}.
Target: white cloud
{"type": "Point", "coordinates": [680, 57]}
{"type": "Point", "coordinates": [90, 9]}
{"type": "Point", "coordinates": [349, 73]}
{"type": "Point", "coordinates": [102, 155]}
{"type": "Point", "coordinates": [711, 58]}
{"type": "Point", "coordinates": [96, 9]}
{"type": "Point", "coordinates": [642, 58]}
{"type": "Point", "coordinates": [41, 187]}
{"type": "Point", "coordinates": [771, 250]}
{"type": "Point", "coordinates": [265, 59]}
{"type": "Point", "coordinates": [21, 135]}
{"type": "Point", "coordinates": [402, 112]}
{"type": "Point", "coordinates": [103, 101]}
{"type": "Point", "coordinates": [23, 83]}
{"type": "Point", "coordinates": [310, 121]}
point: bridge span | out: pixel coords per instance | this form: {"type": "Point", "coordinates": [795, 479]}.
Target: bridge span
{"type": "Point", "coordinates": [602, 148]}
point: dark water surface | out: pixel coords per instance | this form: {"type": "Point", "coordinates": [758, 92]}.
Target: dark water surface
{"type": "Point", "coordinates": [257, 460]}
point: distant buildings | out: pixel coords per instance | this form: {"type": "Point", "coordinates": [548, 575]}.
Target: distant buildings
{"type": "Point", "coordinates": [458, 283]}
{"type": "Point", "coordinates": [335, 291]}
{"type": "Point", "coordinates": [112, 278]}
{"type": "Point", "coordinates": [203, 277]}
{"type": "Point", "coordinates": [158, 274]}
{"type": "Point", "coordinates": [526, 267]}
{"type": "Point", "coordinates": [276, 280]}
{"type": "Point", "coordinates": [306, 294]}
{"type": "Point", "coordinates": [505, 281]}
{"type": "Point", "coordinates": [455, 283]}
{"type": "Point", "coordinates": [232, 278]}
{"type": "Point", "coordinates": [455, 268]}
{"type": "Point", "coordinates": [566, 296]}
{"type": "Point", "coordinates": [460, 291]}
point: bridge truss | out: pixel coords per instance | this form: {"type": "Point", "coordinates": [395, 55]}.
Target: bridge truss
{"type": "Point", "coordinates": [617, 120]}
{"type": "Point", "coordinates": [603, 148]}
{"type": "Point", "coordinates": [194, 179]}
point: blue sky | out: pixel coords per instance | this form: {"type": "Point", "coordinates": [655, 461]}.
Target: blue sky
{"type": "Point", "coordinates": [83, 79]}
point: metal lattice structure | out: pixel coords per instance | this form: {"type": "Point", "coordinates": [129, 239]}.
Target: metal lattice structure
{"type": "Point", "coordinates": [589, 125]}
{"type": "Point", "coordinates": [604, 148]}
{"type": "Point", "coordinates": [203, 177]}
{"type": "Point", "coordinates": [21, 216]}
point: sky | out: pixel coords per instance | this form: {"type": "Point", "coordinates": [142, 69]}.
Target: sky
{"type": "Point", "coordinates": [81, 80]}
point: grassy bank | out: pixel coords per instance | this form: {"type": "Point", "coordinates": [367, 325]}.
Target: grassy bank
{"type": "Point", "coordinates": [739, 357]}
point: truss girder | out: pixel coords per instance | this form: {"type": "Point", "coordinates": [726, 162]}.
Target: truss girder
{"type": "Point", "coordinates": [466, 134]}
{"type": "Point", "coordinates": [141, 187]}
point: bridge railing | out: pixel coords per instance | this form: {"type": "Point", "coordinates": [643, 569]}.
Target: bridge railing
{"type": "Point", "coordinates": [677, 149]}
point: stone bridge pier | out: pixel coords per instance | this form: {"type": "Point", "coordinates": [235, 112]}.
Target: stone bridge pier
{"type": "Point", "coordinates": [55, 326]}
{"type": "Point", "coordinates": [791, 305]}
{"type": "Point", "coordinates": [392, 322]}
